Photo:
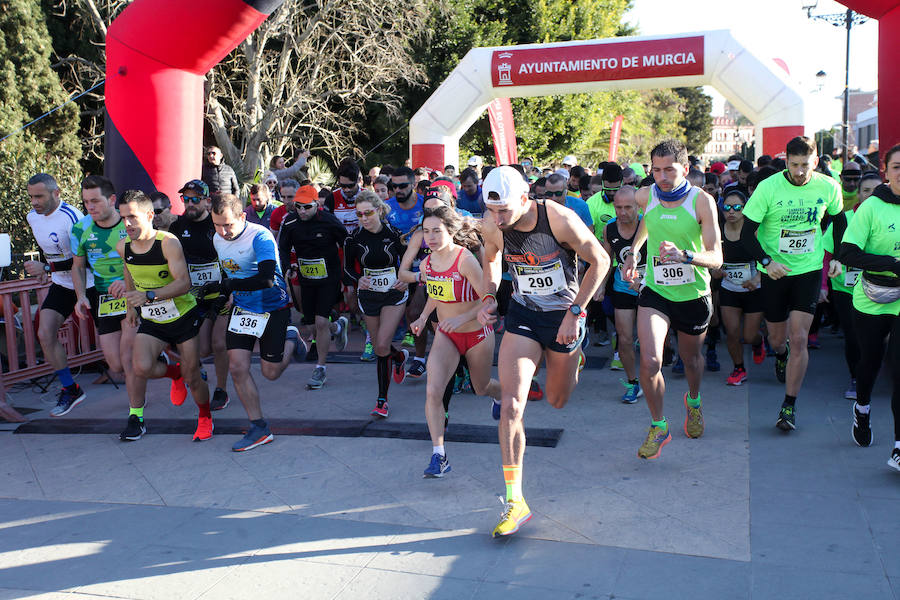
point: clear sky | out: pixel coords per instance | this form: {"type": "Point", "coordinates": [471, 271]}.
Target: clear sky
{"type": "Point", "coordinates": [778, 29]}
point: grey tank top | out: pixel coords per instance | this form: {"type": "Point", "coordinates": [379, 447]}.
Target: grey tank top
{"type": "Point", "coordinates": [544, 274]}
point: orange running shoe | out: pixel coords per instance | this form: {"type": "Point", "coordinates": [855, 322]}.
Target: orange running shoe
{"type": "Point", "coordinates": [178, 391]}
{"type": "Point", "coordinates": [204, 429]}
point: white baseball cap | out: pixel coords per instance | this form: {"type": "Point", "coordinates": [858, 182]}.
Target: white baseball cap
{"type": "Point", "coordinates": [474, 161]}
{"type": "Point", "coordinates": [570, 160]}
{"type": "Point", "coordinates": [505, 182]}
{"type": "Point", "coordinates": [733, 165]}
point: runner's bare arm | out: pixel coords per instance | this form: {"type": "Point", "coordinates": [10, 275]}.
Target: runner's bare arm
{"type": "Point", "coordinates": [79, 276]}
{"type": "Point", "coordinates": [412, 249]}
{"type": "Point", "coordinates": [571, 231]}
{"type": "Point", "coordinates": [470, 268]}
{"type": "Point", "coordinates": [492, 261]}
{"type": "Point", "coordinates": [711, 256]}
{"type": "Point", "coordinates": [174, 254]}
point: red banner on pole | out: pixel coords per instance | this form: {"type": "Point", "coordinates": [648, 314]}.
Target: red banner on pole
{"type": "Point", "coordinates": [503, 130]}
{"type": "Point", "coordinates": [608, 61]}
{"type": "Point", "coordinates": [615, 134]}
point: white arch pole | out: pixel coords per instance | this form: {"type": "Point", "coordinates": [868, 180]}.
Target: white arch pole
{"type": "Point", "coordinates": [756, 87]}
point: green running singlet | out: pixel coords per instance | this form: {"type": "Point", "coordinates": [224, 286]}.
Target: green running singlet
{"type": "Point", "coordinates": [150, 271]}
{"type": "Point", "coordinates": [678, 282]}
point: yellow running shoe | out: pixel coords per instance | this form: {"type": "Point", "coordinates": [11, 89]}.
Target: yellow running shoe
{"type": "Point", "coordinates": [657, 437]}
{"type": "Point", "coordinates": [693, 420]}
{"type": "Point", "coordinates": [515, 514]}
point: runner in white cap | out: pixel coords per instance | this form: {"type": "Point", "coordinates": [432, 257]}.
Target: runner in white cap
{"type": "Point", "coordinates": [539, 241]}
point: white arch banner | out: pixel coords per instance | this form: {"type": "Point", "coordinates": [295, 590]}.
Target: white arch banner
{"type": "Point", "coordinates": [756, 87]}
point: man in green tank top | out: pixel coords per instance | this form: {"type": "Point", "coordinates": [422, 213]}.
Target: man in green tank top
{"type": "Point", "coordinates": [94, 241]}
{"type": "Point", "coordinates": [782, 230]}
{"type": "Point", "coordinates": [681, 230]}
{"type": "Point", "coordinates": [158, 284]}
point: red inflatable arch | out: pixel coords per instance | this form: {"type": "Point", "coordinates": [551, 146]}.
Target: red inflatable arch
{"type": "Point", "coordinates": [157, 53]}
{"type": "Point", "coordinates": [888, 14]}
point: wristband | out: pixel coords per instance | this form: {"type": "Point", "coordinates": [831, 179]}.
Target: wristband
{"type": "Point", "coordinates": [489, 295]}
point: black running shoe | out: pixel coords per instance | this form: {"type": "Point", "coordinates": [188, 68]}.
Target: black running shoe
{"type": "Point", "coordinates": [861, 430]}
{"type": "Point", "coordinates": [219, 399]}
{"type": "Point", "coordinates": [134, 430]}
{"type": "Point", "coordinates": [781, 365]}
{"type": "Point", "coordinates": [69, 398]}
{"type": "Point", "coordinates": [785, 420]}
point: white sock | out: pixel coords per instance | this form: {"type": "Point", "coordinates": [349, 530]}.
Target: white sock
{"type": "Point", "coordinates": [897, 445]}
{"type": "Point", "coordinates": [438, 450]}
{"type": "Point", "coordinates": [497, 401]}
{"type": "Point", "coordinates": [863, 409]}
{"type": "Point", "coordinates": [321, 367]}
{"type": "Point", "coordinates": [368, 338]}
{"type": "Point", "coordinates": [420, 359]}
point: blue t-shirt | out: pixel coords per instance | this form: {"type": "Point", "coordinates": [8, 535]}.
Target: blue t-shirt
{"type": "Point", "coordinates": [473, 204]}
{"type": "Point", "coordinates": [240, 259]}
{"type": "Point", "coordinates": [404, 220]}
{"type": "Point", "coordinates": [581, 209]}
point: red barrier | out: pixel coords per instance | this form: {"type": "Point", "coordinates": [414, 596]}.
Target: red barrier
{"type": "Point", "coordinates": [20, 330]}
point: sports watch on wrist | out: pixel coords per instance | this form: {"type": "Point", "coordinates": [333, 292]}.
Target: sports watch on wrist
{"type": "Point", "coordinates": [576, 310]}
{"type": "Point", "coordinates": [688, 256]}
{"type": "Point", "coordinates": [48, 269]}
{"type": "Point", "coordinates": [765, 262]}
{"type": "Point", "coordinates": [151, 295]}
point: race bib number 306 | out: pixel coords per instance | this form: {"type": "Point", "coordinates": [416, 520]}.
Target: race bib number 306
{"type": "Point", "coordinates": [794, 241]}
{"type": "Point", "coordinates": [541, 280]}
{"type": "Point", "coordinates": [245, 322]}
{"type": "Point", "coordinates": [672, 273]}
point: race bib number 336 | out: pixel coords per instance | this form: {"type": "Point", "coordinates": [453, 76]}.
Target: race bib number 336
{"type": "Point", "coordinates": [245, 322]}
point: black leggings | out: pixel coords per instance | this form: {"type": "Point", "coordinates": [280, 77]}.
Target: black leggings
{"type": "Point", "coordinates": [843, 304]}
{"type": "Point", "coordinates": [871, 331]}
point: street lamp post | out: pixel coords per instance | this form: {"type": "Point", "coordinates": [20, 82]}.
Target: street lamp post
{"type": "Point", "coordinates": [846, 20]}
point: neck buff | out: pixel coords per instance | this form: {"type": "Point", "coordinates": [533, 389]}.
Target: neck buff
{"type": "Point", "coordinates": [676, 194]}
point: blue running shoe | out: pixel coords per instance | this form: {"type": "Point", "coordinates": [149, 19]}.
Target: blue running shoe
{"type": "Point", "coordinates": [257, 436]}
{"type": "Point", "coordinates": [678, 367]}
{"type": "Point", "coordinates": [438, 466]}
{"type": "Point", "coordinates": [495, 409]}
{"type": "Point", "coordinates": [633, 391]}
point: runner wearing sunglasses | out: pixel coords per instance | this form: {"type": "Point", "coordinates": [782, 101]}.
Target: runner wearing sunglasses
{"type": "Point", "coordinates": [316, 236]}
{"type": "Point", "coordinates": [740, 294]}
{"type": "Point", "coordinates": [371, 262]}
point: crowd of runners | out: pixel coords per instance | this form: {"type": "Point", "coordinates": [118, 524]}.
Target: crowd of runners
{"type": "Point", "coordinates": [544, 256]}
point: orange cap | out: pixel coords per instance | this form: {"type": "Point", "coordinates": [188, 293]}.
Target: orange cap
{"type": "Point", "coordinates": [307, 194]}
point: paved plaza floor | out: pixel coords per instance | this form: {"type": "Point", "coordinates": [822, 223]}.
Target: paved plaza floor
{"type": "Point", "coordinates": [744, 512]}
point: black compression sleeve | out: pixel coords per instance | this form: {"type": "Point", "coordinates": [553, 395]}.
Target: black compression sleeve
{"type": "Point", "coordinates": [264, 278]}
{"type": "Point", "coordinates": [749, 240]}
{"type": "Point", "coordinates": [61, 265]}
{"type": "Point", "coordinates": [351, 277]}
{"type": "Point", "coordinates": [853, 256]}
{"type": "Point", "coordinates": [838, 228]}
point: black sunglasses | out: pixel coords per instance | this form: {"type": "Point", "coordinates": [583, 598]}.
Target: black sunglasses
{"type": "Point", "coordinates": [347, 186]}
{"type": "Point", "coordinates": [736, 207]}
{"type": "Point", "coordinates": [192, 199]}
{"type": "Point", "coordinates": [557, 193]}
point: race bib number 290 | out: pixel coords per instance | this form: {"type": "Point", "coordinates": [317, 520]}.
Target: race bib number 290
{"type": "Point", "coordinates": [540, 280]}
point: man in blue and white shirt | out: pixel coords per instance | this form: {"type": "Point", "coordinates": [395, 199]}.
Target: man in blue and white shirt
{"type": "Point", "coordinates": [51, 222]}
{"type": "Point", "coordinates": [261, 309]}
